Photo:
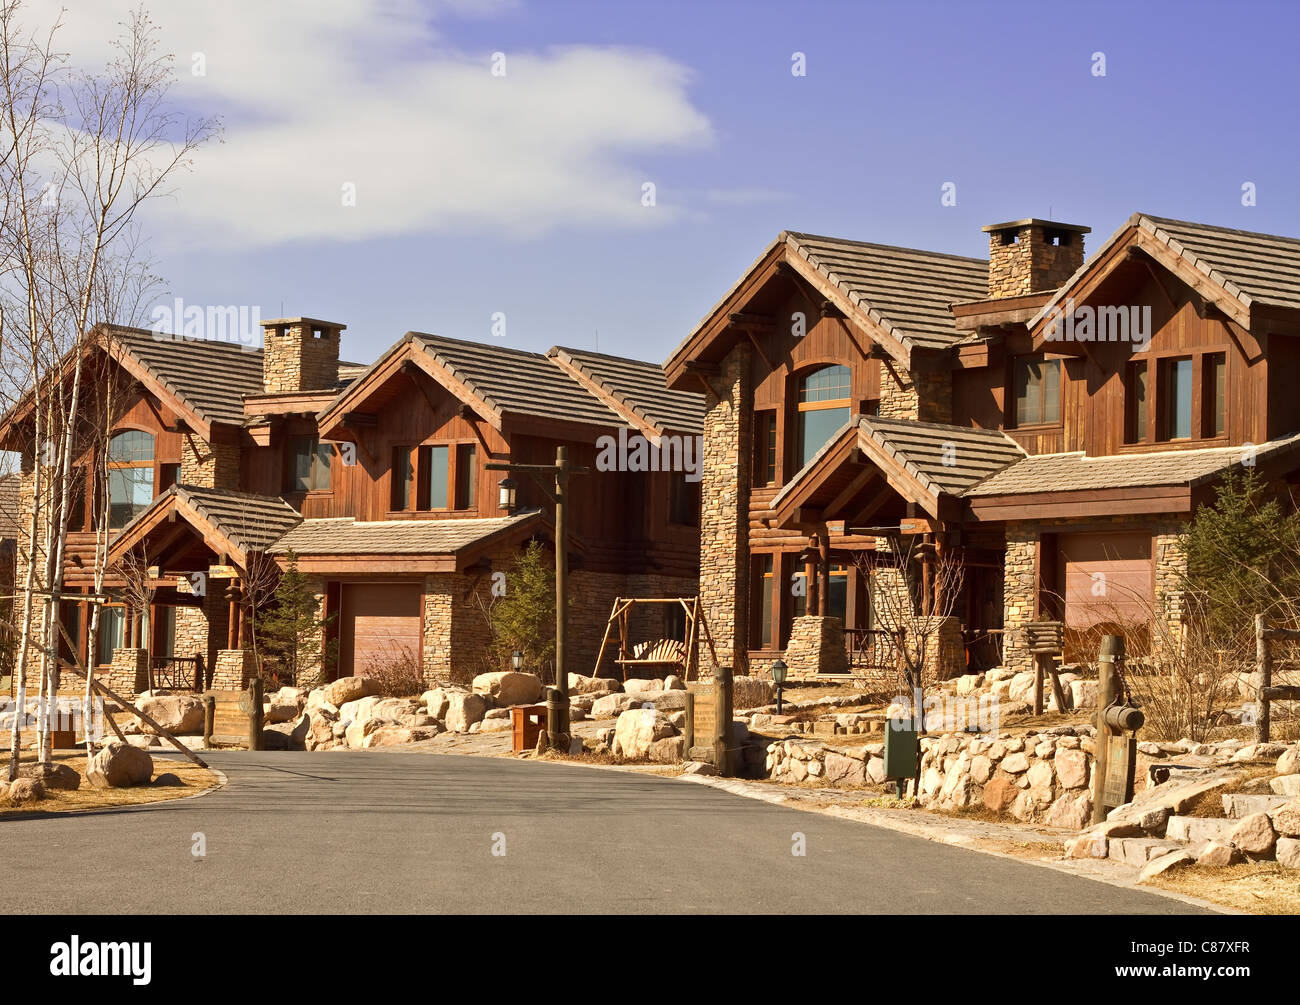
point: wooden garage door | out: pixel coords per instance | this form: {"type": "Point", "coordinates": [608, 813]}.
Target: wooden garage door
{"type": "Point", "coordinates": [378, 621]}
{"type": "Point", "coordinates": [1107, 578]}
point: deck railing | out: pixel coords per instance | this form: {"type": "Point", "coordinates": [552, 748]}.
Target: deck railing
{"type": "Point", "coordinates": [177, 673]}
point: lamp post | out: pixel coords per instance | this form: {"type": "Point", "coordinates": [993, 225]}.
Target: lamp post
{"type": "Point", "coordinates": [778, 678]}
{"type": "Point", "coordinates": [557, 724]}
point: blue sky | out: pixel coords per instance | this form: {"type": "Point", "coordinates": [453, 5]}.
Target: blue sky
{"type": "Point", "coordinates": [526, 199]}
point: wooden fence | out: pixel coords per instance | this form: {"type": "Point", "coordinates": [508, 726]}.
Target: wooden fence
{"type": "Point", "coordinates": [1265, 691]}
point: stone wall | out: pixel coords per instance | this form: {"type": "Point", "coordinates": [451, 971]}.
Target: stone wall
{"type": "Point", "coordinates": [209, 465]}
{"type": "Point", "coordinates": [1019, 592]}
{"type": "Point", "coordinates": [128, 673]}
{"type": "Point", "coordinates": [724, 515]}
{"type": "Point", "coordinates": [816, 646]}
{"type": "Point", "coordinates": [294, 359]}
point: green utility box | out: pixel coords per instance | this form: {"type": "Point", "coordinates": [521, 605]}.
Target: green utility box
{"type": "Point", "coordinates": [902, 748]}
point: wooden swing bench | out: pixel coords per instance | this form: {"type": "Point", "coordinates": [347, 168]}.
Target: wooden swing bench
{"type": "Point", "coordinates": [663, 654]}
{"type": "Point", "coordinates": [667, 655]}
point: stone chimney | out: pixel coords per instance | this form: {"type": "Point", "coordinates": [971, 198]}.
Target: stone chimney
{"type": "Point", "coordinates": [1031, 256]}
{"type": "Point", "coordinates": [300, 354]}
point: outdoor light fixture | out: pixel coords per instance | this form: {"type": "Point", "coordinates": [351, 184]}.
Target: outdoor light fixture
{"type": "Point", "coordinates": [517, 659]}
{"type": "Point", "coordinates": [509, 491]}
{"type": "Point", "coordinates": [778, 678]}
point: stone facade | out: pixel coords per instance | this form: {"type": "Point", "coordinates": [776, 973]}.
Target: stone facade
{"type": "Point", "coordinates": [128, 674]}
{"type": "Point", "coordinates": [232, 669]}
{"type": "Point", "coordinates": [1031, 256]}
{"type": "Point", "coordinates": [300, 355]}
{"type": "Point", "coordinates": [724, 511]}
{"type": "Point", "coordinates": [209, 465]}
{"type": "Point", "coordinates": [1019, 592]}
{"type": "Point", "coordinates": [816, 646]}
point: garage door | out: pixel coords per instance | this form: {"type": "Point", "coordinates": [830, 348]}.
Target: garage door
{"type": "Point", "coordinates": [379, 622]}
{"type": "Point", "coordinates": [1107, 578]}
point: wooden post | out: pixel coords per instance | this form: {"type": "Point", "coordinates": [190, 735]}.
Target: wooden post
{"type": "Point", "coordinates": [1112, 649]}
{"type": "Point", "coordinates": [232, 620]}
{"type": "Point", "coordinates": [824, 571]}
{"type": "Point", "coordinates": [1038, 684]}
{"type": "Point", "coordinates": [209, 718]}
{"type": "Point", "coordinates": [722, 698]}
{"type": "Point", "coordinates": [1263, 678]}
{"type": "Point", "coordinates": [255, 714]}
{"type": "Point", "coordinates": [688, 728]}
{"type": "Point", "coordinates": [561, 592]}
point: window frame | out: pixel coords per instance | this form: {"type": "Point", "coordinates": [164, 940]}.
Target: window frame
{"type": "Point", "coordinates": [1042, 423]}
{"type": "Point", "coordinates": [462, 496]}
{"type": "Point", "coordinates": [134, 464]}
{"type": "Point", "coordinates": [801, 455]}
{"type": "Point", "coordinates": [291, 466]}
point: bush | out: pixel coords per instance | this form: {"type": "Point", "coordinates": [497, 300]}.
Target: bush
{"type": "Point", "coordinates": [397, 672]}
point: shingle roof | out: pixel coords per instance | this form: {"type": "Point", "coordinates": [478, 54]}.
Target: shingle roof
{"type": "Point", "coordinates": [250, 522]}
{"type": "Point", "coordinates": [944, 459]}
{"type": "Point", "coordinates": [515, 380]}
{"type": "Point", "coordinates": [640, 387]}
{"type": "Point", "coordinates": [904, 290]}
{"type": "Point", "coordinates": [346, 536]}
{"type": "Point", "coordinates": [1076, 471]}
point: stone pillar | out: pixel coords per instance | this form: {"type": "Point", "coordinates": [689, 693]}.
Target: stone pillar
{"type": "Point", "coordinates": [1019, 592]}
{"type": "Point", "coordinates": [945, 652]}
{"type": "Point", "coordinates": [209, 465]}
{"type": "Point", "coordinates": [233, 669]}
{"type": "Point", "coordinates": [816, 646]}
{"type": "Point", "coordinates": [724, 516]}
{"type": "Point", "coordinates": [1170, 578]}
{"type": "Point", "coordinates": [128, 674]}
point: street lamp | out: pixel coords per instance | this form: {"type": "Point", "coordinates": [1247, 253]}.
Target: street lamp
{"type": "Point", "coordinates": [517, 659]}
{"type": "Point", "coordinates": [508, 493]}
{"type": "Point", "coordinates": [778, 678]}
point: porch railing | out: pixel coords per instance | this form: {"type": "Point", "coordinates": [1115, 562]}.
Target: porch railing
{"type": "Point", "coordinates": [177, 673]}
{"type": "Point", "coordinates": [872, 648]}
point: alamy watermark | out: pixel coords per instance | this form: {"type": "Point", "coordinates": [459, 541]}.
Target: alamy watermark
{"type": "Point", "coordinates": [639, 453]}
{"type": "Point", "coordinates": [63, 714]}
{"type": "Point", "coordinates": [948, 713]}
{"type": "Point", "coordinates": [1107, 323]}
{"type": "Point", "coordinates": [236, 324]}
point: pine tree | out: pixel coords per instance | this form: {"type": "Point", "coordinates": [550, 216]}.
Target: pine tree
{"type": "Point", "coordinates": [293, 633]}
{"type": "Point", "coordinates": [524, 618]}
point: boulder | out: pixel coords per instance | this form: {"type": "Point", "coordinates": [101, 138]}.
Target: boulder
{"type": "Point", "coordinates": [1083, 694]}
{"type": "Point", "coordinates": [284, 706]}
{"type": "Point", "coordinates": [841, 770]}
{"type": "Point", "coordinates": [1073, 810]}
{"type": "Point", "coordinates": [287, 735]}
{"type": "Point", "coordinates": [119, 765]}
{"type": "Point", "coordinates": [1165, 863]}
{"type": "Point", "coordinates": [169, 780]}
{"type": "Point", "coordinates": [699, 768]}
{"type": "Point", "coordinates": [674, 683]}
{"type": "Point", "coordinates": [1071, 768]}
{"type": "Point", "coordinates": [578, 684]}
{"type": "Point", "coordinates": [981, 769]}
{"type": "Point", "coordinates": [1288, 762]}
{"type": "Point", "coordinates": [493, 726]}
{"type": "Point", "coordinates": [464, 708]}
{"type": "Point", "coordinates": [316, 702]}
{"type": "Point", "coordinates": [636, 730]}
{"type": "Point", "coordinates": [1288, 853]}
{"type": "Point", "coordinates": [356, 733]}
{"type": "Point", "coordinates": [345, 689]}
{"type": "Point", "coordinates": [668, 750]}
{"type": "Point", "coordinates": [437, 700]}
{"type": "Point", "coordinates": [396, 709]}
{"type": "Point", "coordinates": [509, 687]}
{"type": "Point", "coordinates": [969, 683]}
{"type": "Point", "coordinates": [391, 736]}
{"type": "Point", "coordinates": [1285, 785]}
{"type": "Point", "coordinates": [1286, 819]}
{"type": "Point", "coordinates": [176, 713]}
{"type": "Point", "coordinates": [53, 776]}
{"type": "Point", "coordinates": [1000, 793]}
{"type": "Point", "coordinates": [1217, 854]}
{"type": "Point", "coordinates": [613, 704]}
{"type": "Point", "coordinates": [1254, 835]}
{"type": "Point", "coordinates": [876, 770]}
{"type": "Point", "coordinates": [1090, 844]}
{"type": "Point", "coordinates": [26, 790]}
{"type": "Point", "coordinates": [1014, 764]}
{"type": "Point", "coordinates": [640, 686]}
{"type": "Point", "coordinates": [751, 692]}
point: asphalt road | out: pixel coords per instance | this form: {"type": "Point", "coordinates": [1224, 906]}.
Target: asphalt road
{"type": "Point", "coordinates": [400, 832]}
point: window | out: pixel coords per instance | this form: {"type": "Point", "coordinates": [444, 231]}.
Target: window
{"type": "Point", "coordinates": [309, 464]}
{"type": "Point", "coordinates": [1214, 386]}
{"type": "Point", "coordinates": [112, 630]}
{"type": "Point", "coordinates": [1135, 406]}
{"type": "Point", "coordinates": [683, 500]}
{"type": "Point", "coordinates": [403, 480]}
{"type": "Point", "coordinates": [1176, 398]}
{"type": "Point", "coordinates": [164, 631]}
{"type": "Point", "coordinates": [823, 409]}
{"type": "Point", "coordinates": [763, 585]}
{"type": "Point", "coordinates": [466, 474]}
{"type": "Point", "coordinates": [1038, 391]}
{"type": "Point", "coordinates": [837, 600]}
{"type": "Point", "coordinates": [436, 475]}
{"type": "Point", "coordinates": [130, 476]}
{"type": "Point", "coordinates": [765, 448]}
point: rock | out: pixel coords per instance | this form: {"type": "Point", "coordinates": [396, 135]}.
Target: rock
{"type": "Point", "coordinates": [1165, 863]}
{"type": "Point", "coordinates": [1087, 845]}
{"type": "Point", "coordinates": [981, 769]}
{"type": "Point", "coordinates": [119, 765]}
{"type": "Point", "coordinates": [1015, 763]}
{"type": "Point", "coordinates": [1071, 768]}
{"type": "Point", "coordinates": [751, 692]}
{"type": "Point", "coordinates": [674, 683]}
{"type": "Point", "coordinates": [509, 687]}
{"type": "Point", "coordinates": [969, 683]}
{"type": "Point", "coordinates": [26, 790]}
{"type": "Point", "coordinates": [1072, 810]}
{"type": "Point", "coordinates": [1288, 763]}
{"type": "Point", "coordinates": [1217, 854]}
{"type": "Point", "coordinates": [463, 710]}
{"type": "Point", "coordinates": [176, 713]}
{"type": "Point", "coordinates": [169, 779]}
{"type": "Point", "coordinates": [1083, 694]}
{"type": "Point", "coordinates": [284, 706]}
{"type": "Point", "coordinates": [641, 685]}
{"type": "Point", "coordinates": [436, 701]}
{"type": "Point", "coordinates": [575, 745]}
{"type": "Point", "coordinates": [397, 709]}
{"type": "Point", "coordinates": [668, 750]}
{"type": "Point", "coordinates": [53, 776]}
{"type": "Point", "coordinates": [636, 730]}
{"type": "Point", "coordinates": [1000, 793]}
{"type": "Point", "coordinates": [1285, 785]}
{"type": "Point", "coordinates": [1288, 853]}
{"type": "Point", "coordinates": [345, 689]}
{"type": "Point", "coordinates": [1254, 835]}
{"type": "Point", "coordinates": [358, 731]}
{"type": "Point", "coordinates": [876, 770]}
{"type": "Point", "coordinates": [392, 736]}
{"type": "Point", "coordinates": [493, 726]}
{"type": "Point", "coordinates": [317, 704]}
{"type": "Point", "coordinates": [699, 768]}
{"type": "Point", "coordinates": [1155, 820]}
{"type": "Point", "coordinates": [288, 735]}
{"type": "Point", "coordinates": [1198, 830]}
{"type": "Point", "coordinates": [1040, 776]}
{"type": "Point", "coordinates": [841, 770]}
{"type": "Point", "coordinates": [1286, 819]}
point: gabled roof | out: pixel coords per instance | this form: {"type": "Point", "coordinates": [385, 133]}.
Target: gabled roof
{"type": "Point", "coordinates": [232, 522]}
{"type": "Point", "coordinates": [638, 389]}
{"type": "Point", "coordinates": [1236, 269]}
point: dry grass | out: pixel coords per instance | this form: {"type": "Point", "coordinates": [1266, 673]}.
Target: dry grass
{"type": "Point", "coordinates": [196, 779]}
{"type": "Point", "coordinates": [1253, 779]}
{"type": "Point", "coordinates": [1257, 887]}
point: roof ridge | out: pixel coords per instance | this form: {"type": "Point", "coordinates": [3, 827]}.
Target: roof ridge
{"type": "Point", "coordinates": [804, 235]}
{"type": "Point", "coordinates": [1218, 228]}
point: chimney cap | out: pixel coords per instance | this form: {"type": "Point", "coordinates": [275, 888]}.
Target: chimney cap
{"type": "Point", "coordinates": [312, 322]}
{"type": "Point", "coordinates": [1034, 221]}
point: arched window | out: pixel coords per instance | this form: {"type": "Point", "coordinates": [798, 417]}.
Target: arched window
{"type": "Point", "coordinates": [823, 409]}
{"type": "Point", "coordinates": [130, 476]}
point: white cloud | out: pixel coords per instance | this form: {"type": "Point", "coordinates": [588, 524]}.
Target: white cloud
{"type": "Point", "coordinates": [318, 94]}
